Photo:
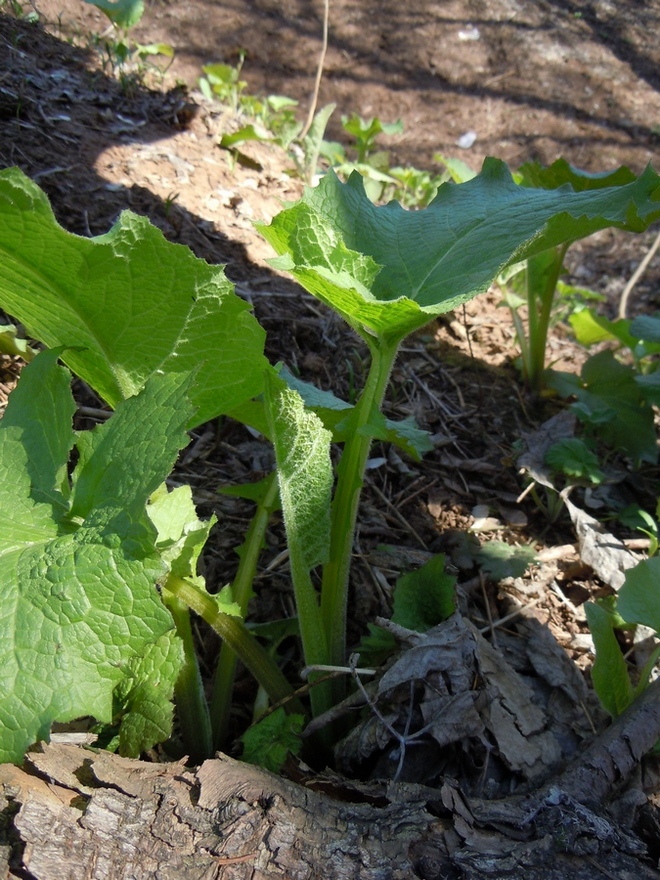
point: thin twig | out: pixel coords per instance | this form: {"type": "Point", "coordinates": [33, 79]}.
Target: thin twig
{"type": "Point", "coordinates": [319, 72]}
{"type": "Point", "coordinates": [482, 581]}
{"type": "Point", "coordinates": [639, 271]}
{"type": "Point", "coordinates": [401, 519]}
{"type": "Point", "coordinates": [494, 624]}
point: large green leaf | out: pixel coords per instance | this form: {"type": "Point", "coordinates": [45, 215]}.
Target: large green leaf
{"type": "Point", "coordinates": [389, 271]}
{"type": "Point", "coordinates": [129, 302]}
{"type": "Point", "coordinates": [83, 630]}
{"type": "Point", "coordinates": [561, 172]}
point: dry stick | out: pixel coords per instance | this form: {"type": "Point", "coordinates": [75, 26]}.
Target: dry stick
{"type": "Point", "coordinates": [319, 73]}
{"type": "Point", "coordinates": [623, 305]}
{"type": "Point", "coordinates": [609, 759]}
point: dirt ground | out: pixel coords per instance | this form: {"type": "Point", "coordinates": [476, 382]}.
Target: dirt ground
{"type": "Point", "coordinates": [532, 80]}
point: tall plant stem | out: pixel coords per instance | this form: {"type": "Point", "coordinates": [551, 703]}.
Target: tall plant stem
{"type": "Point", "coordinates": [241, 593]}
{"type": "Point", "coordinates": [350, 474]}
{"type": "Point", "coordinates": [233, 631]}
{"type": "Point", "coordinates": [539, 318]}
{"type": "Point", "coordinates": [191, 704]}
{"type": "Point", "coordinates": [319, 72]}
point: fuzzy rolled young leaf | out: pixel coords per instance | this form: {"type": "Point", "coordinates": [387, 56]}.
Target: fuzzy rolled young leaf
{"type": "Point", "coordinates": [388, 271]}
{"type": "Point", "coordinates": [127, 304]}
{"type": "Point", "coordinates": [304, 472]}
{"type": "Point", "coordinates": [82, 628]}
{"type": "Point", "coordinates": [302, 449]}
{"type": "Point", "coordinates": [181, 534]}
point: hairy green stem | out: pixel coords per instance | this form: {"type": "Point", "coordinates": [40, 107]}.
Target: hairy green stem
{"type": "Point", "coordinates": [241, 593]}
{"type": "Point", "coordinates": [233, 631]}
{"type": "Point", "coordinates": [192, 708]}
{"type": "Point", "coordinates": [310, 622]}
{"type": "Point", "coordinates": [350, 474]}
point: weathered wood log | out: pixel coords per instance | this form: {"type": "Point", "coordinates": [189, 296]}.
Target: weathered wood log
{"type": "Point", "coordinates": [73, 813]}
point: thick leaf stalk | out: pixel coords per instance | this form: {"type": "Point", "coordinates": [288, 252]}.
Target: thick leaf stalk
{"type": "Point", "coordinates": [233, 631]}
{"type": "Point", "coordinates": [541, 287]}
{"type": "Point", "coordinates": [350, 476]}
{"type": "Point", "coordinates": [192, 708]}
{"type": "Point", "coordinates": [241, 594]}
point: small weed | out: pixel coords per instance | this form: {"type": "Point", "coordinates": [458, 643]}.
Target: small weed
{"type": "Point", "coordinates": [127, 59]}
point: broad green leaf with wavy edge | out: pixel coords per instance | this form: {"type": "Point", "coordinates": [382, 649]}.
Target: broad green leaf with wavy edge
{"type": "Point", "coordinates": [388, 271]}
{"type": "Point", "coordinates": [130, 302]}
{"type": "Point", "coordinates": [81, 623]}
{"type": "Point", "coordinates": [561, 172]}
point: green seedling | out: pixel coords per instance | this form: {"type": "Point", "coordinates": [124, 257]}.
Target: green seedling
{"type": "Point", "coordinates": [163, 338]}
{"type": "Point", "coordinates": [272, 119]}
{"type": "Point", "coordinates": [223, 83]}
{"type": "Point", "coordinates": [371, 163]}
{"type": "Point", "coordinates": [125, 56]}
{"type": "Point", "coordinates": [636, 517]}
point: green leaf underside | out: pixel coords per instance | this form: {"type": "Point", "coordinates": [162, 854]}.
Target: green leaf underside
{"type": "Point", "coordinates": [390, 270]}
{"type": "Point", "coordinates": [302, 448]}
{"type": "Point", "coordinates": [130, 302]}
{"type": "Point", "coordinates": [123, 13]}
{"type": "Point", "coordinates": [609, 673]}
{"type": "Point", "coordinates": [82, 628]}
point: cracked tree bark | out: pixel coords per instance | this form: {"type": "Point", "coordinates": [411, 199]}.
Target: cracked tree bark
{"type": "Point", "coordinates": [75, 814]}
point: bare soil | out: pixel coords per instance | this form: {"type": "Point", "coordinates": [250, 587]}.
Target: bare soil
{"type": "Point", "coordinates": [532, 80]}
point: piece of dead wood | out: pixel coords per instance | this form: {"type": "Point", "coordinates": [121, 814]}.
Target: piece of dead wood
{"type": "Point", "coordinates": [74, 813]}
